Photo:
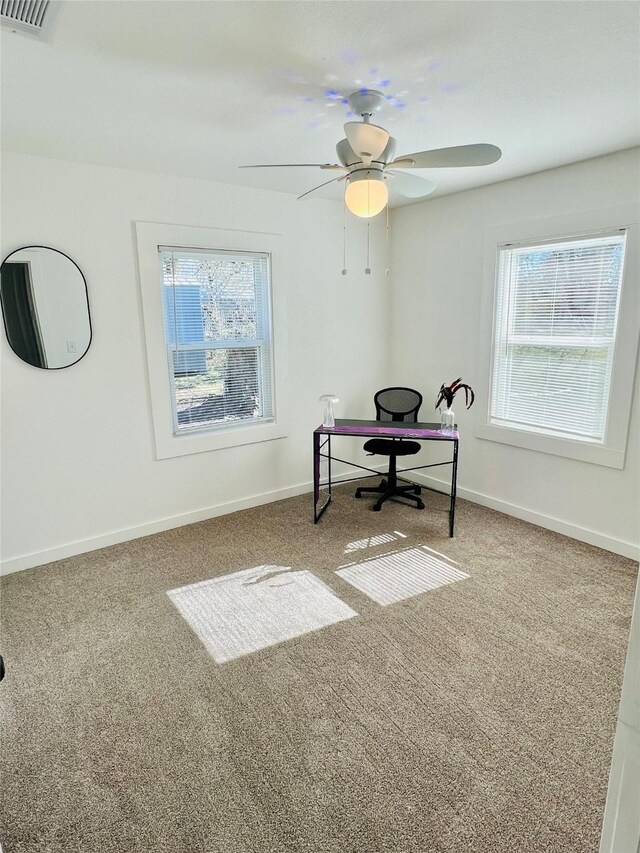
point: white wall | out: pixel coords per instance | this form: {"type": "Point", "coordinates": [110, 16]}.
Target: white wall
{"type": "Point", "coordinates": [437, 264]}
{"type": "Point", "coordinates": [78, 466]}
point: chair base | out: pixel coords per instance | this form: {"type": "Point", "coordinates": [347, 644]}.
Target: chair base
{"type": "Point", "coordinates": [391, 491]}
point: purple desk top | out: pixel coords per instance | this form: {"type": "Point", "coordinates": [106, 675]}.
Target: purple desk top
{"type": "Point", "coordinates": [387, 429]}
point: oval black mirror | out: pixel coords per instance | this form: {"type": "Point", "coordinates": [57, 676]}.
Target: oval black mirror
{"type": "Point", "coordinates": [45, 307]}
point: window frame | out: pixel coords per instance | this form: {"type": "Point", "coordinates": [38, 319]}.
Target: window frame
{"type": "Point", "coordinates": [610, 452]}
{"type": "Point", "coordinates": [262, 341]}
{"type": "Point", "coordinates": [150, 236]}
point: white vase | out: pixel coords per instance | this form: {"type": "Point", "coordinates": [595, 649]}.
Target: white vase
{"type": "Point", "coordinates": [328, 400]}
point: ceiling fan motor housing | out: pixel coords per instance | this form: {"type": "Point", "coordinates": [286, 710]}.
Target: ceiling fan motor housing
{"type": "Point", "coordinates": [348, 157]}
{"type": "Point", "coordinates": [371, 173]}
{"type": "Point", "coordinates": [366, 102]}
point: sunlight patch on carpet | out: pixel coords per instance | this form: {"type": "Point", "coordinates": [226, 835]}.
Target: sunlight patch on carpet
{"type": "Point", "coordinates": [444, 556]}
{"type": "Point", "coordinates": [372, 541]}
{"type": "Point", "coordinates": [400, 574]}
{"type": "Point", "coordinates": [252, 609]}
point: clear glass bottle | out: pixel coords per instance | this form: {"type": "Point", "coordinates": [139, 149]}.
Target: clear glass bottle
{"type": "Point", "coordinates": [447, 420]}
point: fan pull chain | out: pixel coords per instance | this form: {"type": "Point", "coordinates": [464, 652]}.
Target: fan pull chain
{"type": "Point", "coordinates": [386, 272]}
{"type": "Point", "coordinates": [368, 268]}
{"type": "Point", "coordinates": [344, 240]}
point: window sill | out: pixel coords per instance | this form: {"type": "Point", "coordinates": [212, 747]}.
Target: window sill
{"type": "Point", "coordinates": [587, 451]}
{"type": "Point", "coordinates": [168, 447]}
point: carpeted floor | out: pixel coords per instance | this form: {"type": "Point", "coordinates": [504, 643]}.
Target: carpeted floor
{"type": "Point", "coordinates": [475, 716]}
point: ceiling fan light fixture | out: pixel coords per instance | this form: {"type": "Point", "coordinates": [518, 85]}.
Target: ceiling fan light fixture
{"type": "Point", "coordinates": [366, 194]}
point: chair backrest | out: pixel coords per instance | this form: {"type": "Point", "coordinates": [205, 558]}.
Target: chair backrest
{"type": "Point", "coordinates": [397, 404]}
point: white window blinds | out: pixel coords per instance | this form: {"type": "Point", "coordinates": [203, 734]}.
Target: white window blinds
{"type": "Point", "coordinates": [554, 335]}
{"type": "Point", "coordinates": [217, 321]}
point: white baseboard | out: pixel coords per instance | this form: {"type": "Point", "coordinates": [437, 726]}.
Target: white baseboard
{"type": "Point", "coordinates": [82, 546]}
{"type": "Point", "coordinates": [583, 534]}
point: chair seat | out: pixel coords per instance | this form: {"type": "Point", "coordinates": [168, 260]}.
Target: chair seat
{"type": "Point", "coordinates": [388, 447]}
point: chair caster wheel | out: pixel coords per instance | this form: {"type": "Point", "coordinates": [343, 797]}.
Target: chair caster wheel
{"type": "Point", "coordinates": [376, 508]}
{"type": "Point", "coordinates": [358, 493]}
{"type": "Point", "coordinates": [383, 484]}
{"type": "Point", "coordinates": [417, 490]}
{"type": "Point", "coordinates": [420, 505]}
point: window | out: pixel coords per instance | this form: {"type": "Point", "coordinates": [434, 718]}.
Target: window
{"type": "Point", "coordinates": [559, 334]}
{"type": "Point", "coordinates": [217, 323]}
{"type": "Point", "coordinates": [555, 329]}
{"type": "Point", "coordinates": [214, 309]}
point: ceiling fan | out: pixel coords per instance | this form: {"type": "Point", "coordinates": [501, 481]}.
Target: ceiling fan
{"type": "Point", "coordinates": [367, 159]}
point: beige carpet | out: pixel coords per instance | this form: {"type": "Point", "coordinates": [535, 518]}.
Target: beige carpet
{"type": "Point", "coordinates": [474, 716]}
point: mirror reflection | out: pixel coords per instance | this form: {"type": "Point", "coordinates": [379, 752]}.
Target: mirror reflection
{"type": "Point", "coordinates": [45, 307]}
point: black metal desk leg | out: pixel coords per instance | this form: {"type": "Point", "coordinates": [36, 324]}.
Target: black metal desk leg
{"type": "Point", "coordinates": [316, 475]}
{"type": "Point", "coordinates": [318, 447]}
{"type": "Point", "coordinates": [454, 485]}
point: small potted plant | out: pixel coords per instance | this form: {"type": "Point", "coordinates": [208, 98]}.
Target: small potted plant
{"type": "Point", "coordinates": [446, 395]}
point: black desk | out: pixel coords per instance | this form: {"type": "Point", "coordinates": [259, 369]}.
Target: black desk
{"type": "Point", "coordinates": [380, 429]}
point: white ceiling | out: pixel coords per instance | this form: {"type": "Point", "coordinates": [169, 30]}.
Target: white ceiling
{"type": "Point", "coordinates": [199, 88]}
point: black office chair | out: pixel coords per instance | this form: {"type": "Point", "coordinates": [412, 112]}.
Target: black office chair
{"type": "Point", "coordinates": [394, 404]}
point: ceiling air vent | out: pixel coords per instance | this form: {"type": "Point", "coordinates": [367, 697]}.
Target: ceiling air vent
{"type": "Point", "coordinates": [27, 16]}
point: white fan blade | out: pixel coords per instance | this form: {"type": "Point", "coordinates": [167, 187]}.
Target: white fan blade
{"type": "Point", "coordinates": [332, 181]}
{"type": "Point", "coordinates": [404, 163]}
{"type": "Point", "coordinates": [289, 165]}
{"type": "Point", "coordinates": [443, 158]}
{"type": "Point", "coordinates": [367, 140]}
{"type": "Point", "coordinates": [411, 186]}
{"type": "Point", "coordinates": [346, 154]}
